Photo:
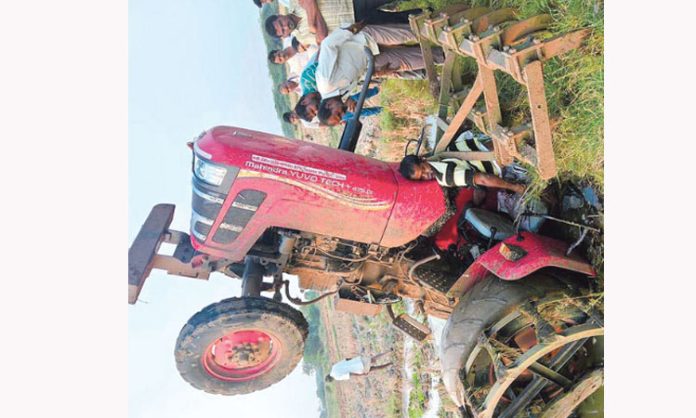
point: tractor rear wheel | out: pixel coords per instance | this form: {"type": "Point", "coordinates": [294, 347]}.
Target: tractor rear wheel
{"type": "Point", "coordinates": [524, 348]}
{"type": "Point", "coordinates": [240, 345]}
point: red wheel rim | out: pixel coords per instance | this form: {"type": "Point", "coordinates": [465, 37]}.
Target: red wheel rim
{"type": "Point", "coordinates": [241, 355]}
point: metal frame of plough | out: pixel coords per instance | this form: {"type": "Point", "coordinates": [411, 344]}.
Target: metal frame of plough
{"type": "Point", "coordinates": [498, 42]}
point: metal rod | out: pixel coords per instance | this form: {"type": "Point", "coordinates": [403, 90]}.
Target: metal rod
{"type": "Point", "coordinates": [541, 215]}
{"type": "Point", "coordinates": [550, 375]}
{"type": "Point", "coordinates": [252, 278]}
{"type": "Point", "coordinates": [347, 143]}
{"type": "Point", "coordinates": [301, 302]}
{"type": "Point", "coordinates": [420, 263]}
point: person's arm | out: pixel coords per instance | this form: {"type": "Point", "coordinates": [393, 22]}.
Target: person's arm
{"type": "Point", "coordinates": [315, 19]}
{"type": "Point", "coordinates": [489, 180]}
{"type": "Point", "coordinates": [297, 45]}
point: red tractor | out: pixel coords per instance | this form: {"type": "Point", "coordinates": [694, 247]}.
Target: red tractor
{"type": "Point", "coordinates": [523, 331]}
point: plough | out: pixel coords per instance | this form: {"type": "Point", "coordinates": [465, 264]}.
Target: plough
{"type": "Point", "coordinates": [498, 41]}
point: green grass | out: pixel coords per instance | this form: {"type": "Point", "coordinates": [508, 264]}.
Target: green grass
{"type": "Point", "coordinates": [574, 85]}
{"type": "Point", "coordinates": [416, 404]}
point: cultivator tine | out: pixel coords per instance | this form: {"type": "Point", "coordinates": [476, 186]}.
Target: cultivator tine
{"type": "Point", "coordinates": [563, 43]}
{"type": "Point", "coordinates": [457, 8]}
{"type": "Point", "coordinates": [519, 30]}
{"type": "Point", "coordinates": [471, 14]}
{"type": "Point", "coordinates": [491, 19]}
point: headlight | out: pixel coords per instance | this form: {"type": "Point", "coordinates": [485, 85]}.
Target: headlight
{"type": "Point", "coordinates": [207, 172]}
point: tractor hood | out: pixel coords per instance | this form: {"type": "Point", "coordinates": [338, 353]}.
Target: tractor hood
{"type": "Point", "coordinates": [247, 181]}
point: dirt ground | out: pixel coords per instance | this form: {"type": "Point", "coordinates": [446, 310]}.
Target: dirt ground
{"type": "Point", "coordinates": [351, 336]}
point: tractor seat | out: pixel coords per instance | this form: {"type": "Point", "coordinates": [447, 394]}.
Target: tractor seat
{"type": "Point", "coordinates": [483, 220]}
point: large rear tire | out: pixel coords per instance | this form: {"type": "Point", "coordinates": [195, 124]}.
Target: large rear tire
{"type": "Point", "coordinates": [240, 345]}
{"type": "Point", "coordinates": [496, 319]}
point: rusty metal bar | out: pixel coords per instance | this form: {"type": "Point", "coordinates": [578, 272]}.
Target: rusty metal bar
{"type": "Point", "coordinates": [445, 84]}
{"type": "Point", "coordinates": [416, 22]}
{"type": "Point", "coordinates": [493, 18]}
{"type": "Point", "coordinates": [546, 162]}
{"type": "Point", "coordinates": [468, 155]}
{"type": "Point", "coordinates": [462, 113]}
{"type": "Point", "coordinates": [563, 43]}
{"type": "Point", "coordinates": [518, 30]}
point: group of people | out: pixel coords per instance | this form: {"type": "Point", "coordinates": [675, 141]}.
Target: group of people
{"type": "Point", "coordinates": [326, 41]}
{"type": "Point", "coordinates": [326, 54]}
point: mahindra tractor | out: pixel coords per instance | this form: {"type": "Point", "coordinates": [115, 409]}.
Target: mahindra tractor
{"type": "Point", "coordinates": [524, 331]}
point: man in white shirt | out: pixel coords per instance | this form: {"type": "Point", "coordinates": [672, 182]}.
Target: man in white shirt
{"type": "Point", "coordinates": [342, 60]}
{"type": "Point", "coordinates": [357, 366]}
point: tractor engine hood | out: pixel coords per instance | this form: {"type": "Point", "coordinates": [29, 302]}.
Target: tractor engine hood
{"type": "Point", "coordinates": [246, 181]}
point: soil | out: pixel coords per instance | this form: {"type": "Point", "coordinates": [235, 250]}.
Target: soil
{"type": "Point", "coordinates": [351, 336]}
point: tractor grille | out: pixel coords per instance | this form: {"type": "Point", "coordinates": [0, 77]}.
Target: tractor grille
{"type": "Point", "coordinates": [243, 208]}
{"type": "Point", "coordinates": [206, 205]}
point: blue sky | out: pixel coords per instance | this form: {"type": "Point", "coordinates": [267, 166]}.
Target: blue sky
{"type": "Point", "coordinates": [192, 65]}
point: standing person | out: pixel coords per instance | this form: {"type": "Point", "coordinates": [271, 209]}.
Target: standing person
{"type": "Point", "coordinates": [305, 21]}
{"type": "Point", "coordinates": [342, 60]}
{"type": "Point", "coordinates": [334, 111]}
{"type": "Point", "coordinates": [308, 108]}
{"type": "Point", "coordinates": [367, 10]}
{"type": "Point", "coordinates": [356, 366]}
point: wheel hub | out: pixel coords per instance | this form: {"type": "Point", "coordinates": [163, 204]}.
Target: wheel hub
{"type": "Point", "coordinates": [240, 355]}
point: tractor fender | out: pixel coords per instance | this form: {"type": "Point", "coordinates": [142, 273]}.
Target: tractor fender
{"type": "Point", "coordinates": [517, 257]}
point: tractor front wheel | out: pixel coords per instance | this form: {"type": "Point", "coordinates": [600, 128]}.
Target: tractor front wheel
{"type": "Point", "coordinates": [532, 347]}
{"type": "Point", "coordinates": [240, 345]}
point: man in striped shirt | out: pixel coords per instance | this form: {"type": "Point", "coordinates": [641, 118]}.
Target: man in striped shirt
{"type": "Point", "coordinates": [453, 172]}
